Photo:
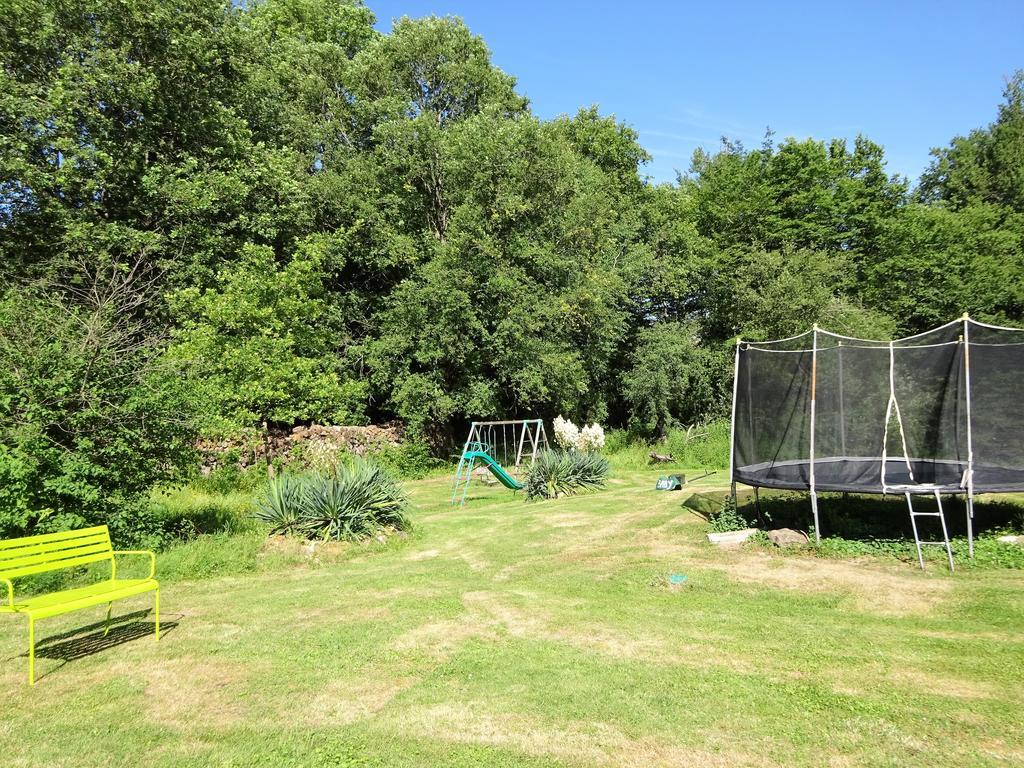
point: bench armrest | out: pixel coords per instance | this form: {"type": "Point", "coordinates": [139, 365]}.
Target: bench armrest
{"type": "Point", "coordinates": [10, 592]}
{"type": "Point", "coordinates": [150, 555]}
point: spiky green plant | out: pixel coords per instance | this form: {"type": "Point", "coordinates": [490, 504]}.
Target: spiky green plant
{"type": "Point", "coordinates": [353, 502]}
{"type": "Point", "coordinates": [280, 503]}
{"type": "Point", "coordinates": [558, 473]}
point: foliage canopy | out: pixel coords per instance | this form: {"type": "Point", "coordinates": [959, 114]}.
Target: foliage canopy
{"type": "Point", "coordinates": [337, 224]}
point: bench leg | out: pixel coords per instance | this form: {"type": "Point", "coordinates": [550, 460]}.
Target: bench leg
{"type": "Point", "coordinates": [31, 651]}
{"type": "Point", "coordinates": [106, 627]}
{"type": "Point", "coordinates": [156, 610]}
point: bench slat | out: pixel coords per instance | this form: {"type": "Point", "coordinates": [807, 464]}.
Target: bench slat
{"type": "Point", "coordinates": [57, 547]}
{"type": "Point", "coordinates": [55, 565]}
{"type": "Point", "coordinates": [54, 558]}
{"type": "Point", "coordinates": [46, 538]}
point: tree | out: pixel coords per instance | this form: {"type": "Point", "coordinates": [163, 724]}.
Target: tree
{"type": "Point", "coordinates": [91, 412]}
{"type": "Point", "coordinates": [674, 378]}
{"type": "Point", "coordinates": [264, 345]}
{"type": "Point", "coordinates": [936, 263]}
{"type": "Point", "coordinates": [987, 165]}
{"type": "Point", "coordinates": [117, 139]}
{"type": "Point", "coordinates": [759, 294]}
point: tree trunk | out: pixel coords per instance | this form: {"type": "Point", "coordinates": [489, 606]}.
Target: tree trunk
{"type": "Point", "coordinates": [268, 449]}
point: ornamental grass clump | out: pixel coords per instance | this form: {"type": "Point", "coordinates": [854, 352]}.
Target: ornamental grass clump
{"type": "Point", "coordinates": [356, 500]}
{"type": "Point", "coordinates": [565, 473]}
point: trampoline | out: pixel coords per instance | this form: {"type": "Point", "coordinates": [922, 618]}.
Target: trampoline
{"type": "Point", "coordinates": [934, 413]}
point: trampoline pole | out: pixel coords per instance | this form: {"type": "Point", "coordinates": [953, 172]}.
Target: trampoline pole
{"type": "Point", "coordinates": [970, 442]}
{"type": "Point", "coordinates": [814, 387]}
{"type": "Point", "coordinates": [842, 405]}
{"type": "Point", "coordinates": [732, 424]}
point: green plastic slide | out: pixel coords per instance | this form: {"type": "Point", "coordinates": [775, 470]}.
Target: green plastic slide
{"type": "Point", "coordinates": [496, 469]}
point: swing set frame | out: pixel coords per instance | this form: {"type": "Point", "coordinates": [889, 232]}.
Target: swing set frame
{"type": "Point", "coordinates": [528, 436]}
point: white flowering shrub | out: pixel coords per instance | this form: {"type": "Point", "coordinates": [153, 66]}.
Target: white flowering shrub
{"type": "Point", "coordinates": [591, 438]}
{"type": "Point", "coordinates": [571, 438]}
{"type": "Point", "coordinates": [567, 434]}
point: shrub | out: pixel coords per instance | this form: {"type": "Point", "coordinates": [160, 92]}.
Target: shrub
{"type": "Point", "coordinates": [699, 446]}
{"type": "Point", "coordinates": [280, 505]}
{"type": "Point", "coordinates": [592, 438]}
{"type": "Point", "coordinates": [728, 517]}
{"type": "Point", "coordinates": [558, 473]}
{"type": "Point", "coordinates": [567, 434]}
{"type": "Point", "coordinates": [410, 459]}
{"type": "Point", "coordinates": [186, 512]}
{"type": "Point", "coordinates": [91, 413]}
{"type": "Point", "coordinates": [572, 438]}
{"type": "Point", "coordinates": [356, 500]}
{"type": "Point", "coordinates": [705, 445]}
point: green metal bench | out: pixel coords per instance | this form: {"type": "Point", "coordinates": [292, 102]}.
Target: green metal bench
{"type": "Point", "coordinates": [57, 551]}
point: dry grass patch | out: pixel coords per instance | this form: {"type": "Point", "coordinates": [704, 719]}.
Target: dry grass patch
{"type": "Point", "coordinates": [343, 702]}
{"type": "Point", "coordinates": [575, 742]}
{"type": "Point", "coordinates": [188, 692]}
{"type": "Point", "coordinates": [873, 587]}
{"type": "Point", "coordinates": [868, 679]}
{"type": "Point", "coordinates": [439, 640]}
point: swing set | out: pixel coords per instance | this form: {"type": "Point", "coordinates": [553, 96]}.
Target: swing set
{"type": "Point", "coordinates": [497, 446]}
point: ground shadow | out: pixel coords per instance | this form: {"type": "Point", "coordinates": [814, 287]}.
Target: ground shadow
{"type": "Point", "coordinates": [859, 516]}
{"type": "Point", "coordinates": [91, 639]}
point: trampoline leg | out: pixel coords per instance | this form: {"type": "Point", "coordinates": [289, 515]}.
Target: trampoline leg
{"type": "Point", "coordinates": [970, 525]}
{"type": "Point", "coordinates": [817, 525]}
{"type": "Point", "coordinates": [945, 533]}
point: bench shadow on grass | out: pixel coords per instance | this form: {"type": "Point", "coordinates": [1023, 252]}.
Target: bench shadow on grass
{"type": "Point", "coordinates": [89, 640]}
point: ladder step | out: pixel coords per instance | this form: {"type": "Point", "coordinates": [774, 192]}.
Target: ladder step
{"type": "Point", "coordinates": [926, 514]}
{"type": "Point", "coordinates": [933, 543]}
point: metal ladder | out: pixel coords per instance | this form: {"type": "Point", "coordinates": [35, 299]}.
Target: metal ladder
{"type": "Point", "coordinates": [942, 520]}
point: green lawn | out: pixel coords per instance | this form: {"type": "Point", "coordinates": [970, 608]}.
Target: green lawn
{"type": "Point", "coordinates": [547, 634]}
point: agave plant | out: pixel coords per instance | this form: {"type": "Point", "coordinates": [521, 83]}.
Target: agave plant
{"type": "Point", "coordinates": [557, 473]}
{"type": "Point", "coordinates": [353, 502]}
{"type": "Point", "coordinates": [281, 503]}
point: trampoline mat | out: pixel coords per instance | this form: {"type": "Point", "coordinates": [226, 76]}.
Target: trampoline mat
{"type": "Point", "coordinates": [864, 475]}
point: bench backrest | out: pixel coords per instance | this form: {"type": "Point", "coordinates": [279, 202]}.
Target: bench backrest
{"type": "Point", "coordinates": [54, 551]}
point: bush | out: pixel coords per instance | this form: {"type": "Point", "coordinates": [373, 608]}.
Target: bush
{"type": "Point", "coordinates": [556, 473]}
{"type": "Point", "coordinates": [700, 446]}
{"type": "Point", "coordinates": [704, 445]}
{"type": "Point", "coordinates": [728, 517]}
{"type": "Point", "coordinates": [355, 501]}
{"type": "Point", "coordinates": [229, 477]}
{"type": "Point", "coordinates": [91, 413]}
{"type": "Point", "coordinates": [411, 459]}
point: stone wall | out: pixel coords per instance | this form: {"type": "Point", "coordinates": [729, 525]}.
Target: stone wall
{"type": "Point", "coordinates": [316, 440]}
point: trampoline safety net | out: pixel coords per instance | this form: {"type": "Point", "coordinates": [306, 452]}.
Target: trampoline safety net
{"type": "Point", "coordinates": [825, 412]}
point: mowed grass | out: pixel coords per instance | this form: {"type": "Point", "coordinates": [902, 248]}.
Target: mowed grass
{"type": "Point", "coordinates": [547, 634]}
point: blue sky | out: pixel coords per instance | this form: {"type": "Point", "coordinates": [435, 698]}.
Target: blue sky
{"type": "Point", "coordinates": [909, 75]}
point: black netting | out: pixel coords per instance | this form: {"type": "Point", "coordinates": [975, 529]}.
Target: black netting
{"type": "Point", "coordinates": [773, 410]}
{"type": "Point", "coordinates": [927, 442]}
{"type": "Point", "coordinates": [997, 418]}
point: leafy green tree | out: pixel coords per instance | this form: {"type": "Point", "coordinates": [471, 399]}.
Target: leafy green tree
{"type": "Point", "coordinates": [987, 165]}
{"type": "Point", "coordinates": [937, 263]}
{"type": "Point", "coordinates": [801, 194]}
{"type": "Point", "coordinates": [117, 139]}
{"type": "Point", "coordinates": [264, 344]}
{"type": "Point", "coordinates": [761, 294]}
{"type": "Point", "coordinates": [674, 378]}
{"type": "Point", "coordinates": [91, 413]}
